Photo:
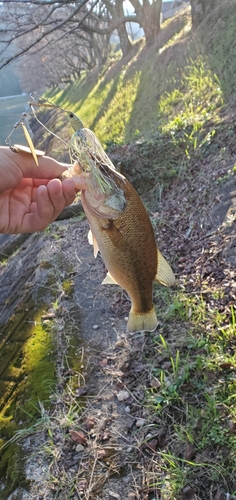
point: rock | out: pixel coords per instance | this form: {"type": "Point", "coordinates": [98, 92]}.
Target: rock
{"type": "Point", "coordinates": [79, 448]}
{"type": "Point", "coordinates": [140, 422]}
{"type": "Point", "coordinates": [114, 495]}
{"type": "Point", "coordinates": [122, 395]}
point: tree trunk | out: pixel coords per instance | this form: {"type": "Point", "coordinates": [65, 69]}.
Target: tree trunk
{"type": "Point", "coordinates": [152, 20]}
{"type": "Point", "coordinates": [149, 17]}
{"type": "Point", "coordinates": [199, 9]}
{"type": "Point", "coordinates": [125, 43]}
{"type": "Point", "coordinates": [100, 48]}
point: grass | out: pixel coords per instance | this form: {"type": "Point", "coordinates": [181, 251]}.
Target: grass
{"type": "Point", "coordinates": [195, 394]}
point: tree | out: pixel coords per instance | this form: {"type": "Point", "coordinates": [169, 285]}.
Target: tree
{"type": "Point", "coordinates": [31, 29]}
{"type": "Point", "coordinates": [199, 8]}
{"type": "Point", "coordinates": [147, 13]}
{"type": "Point", "coordinates": [26, 29]}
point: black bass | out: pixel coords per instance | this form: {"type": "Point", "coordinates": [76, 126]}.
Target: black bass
{"type": "Point", "coordinates": [120, 229]}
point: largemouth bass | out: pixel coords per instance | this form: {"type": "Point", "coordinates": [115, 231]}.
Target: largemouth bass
{"type": "Point", "coordinates": [120, 229]}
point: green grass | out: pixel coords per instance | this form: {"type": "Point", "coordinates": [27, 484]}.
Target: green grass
{"type": "Point", "coordinates": [196, 393]}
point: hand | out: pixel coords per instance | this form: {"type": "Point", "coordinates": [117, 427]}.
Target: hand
{"type": "Point", "coordinates": [31, 197]}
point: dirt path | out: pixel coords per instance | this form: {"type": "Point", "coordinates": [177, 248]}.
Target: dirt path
{"type": "Point", "coordinates": [103, 439]}
{"type": "Point", "coordinates": [95, 315]}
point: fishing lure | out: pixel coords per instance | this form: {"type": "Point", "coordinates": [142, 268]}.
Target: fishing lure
{"type": "Point", "coordinates": [23, 122]}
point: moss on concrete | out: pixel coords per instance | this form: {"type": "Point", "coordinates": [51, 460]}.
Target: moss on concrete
{"type": "Point", "coordinates": [28, 379]}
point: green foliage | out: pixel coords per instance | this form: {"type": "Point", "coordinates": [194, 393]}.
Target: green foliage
{"type": "Point", "coordinates": [112, 125]}
{"type": "Point", "coordinates": [188, 110]}
{"type": "Point", "coordinates": [196, 385]}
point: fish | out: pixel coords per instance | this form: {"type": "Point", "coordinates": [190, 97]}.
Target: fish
{"type": "Point", "coordinates": [120, 228]}
{"type": "Point", "coordinates": [75, 121]}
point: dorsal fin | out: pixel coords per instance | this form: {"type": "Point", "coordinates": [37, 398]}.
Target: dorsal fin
{"type": "Point", "coordinates": [164, 274]}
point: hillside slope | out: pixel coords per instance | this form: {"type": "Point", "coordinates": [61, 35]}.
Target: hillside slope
{"type": "Point", "coordinates": [167, 118]}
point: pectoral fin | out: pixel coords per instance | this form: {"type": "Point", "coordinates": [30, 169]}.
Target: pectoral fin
{"type": "Point", "coordinates": [92, 241]}
{"type": "Point", "coordinates": [108, 280]}
{"type": "Point", "coordinates": [164, 274]}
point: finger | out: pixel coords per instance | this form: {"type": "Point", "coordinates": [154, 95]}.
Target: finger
{"type": "Point", "coordinates": [50, 201]}
{"type": "Point", "coordinates": [57, 197]}
{"type": "Point", "coordinates": [41, 212]}
{"type": "Point", "coordinates": [48, 167]}
{"type": "Point", "coordinates": [68, 187]}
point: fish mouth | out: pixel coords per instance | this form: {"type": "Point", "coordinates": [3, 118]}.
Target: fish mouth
{"type": "Point", "coordinates": [87, 152]}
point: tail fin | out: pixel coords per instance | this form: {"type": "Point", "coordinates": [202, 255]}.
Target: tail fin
{"type": "Point", "coordinates": [142, 321]}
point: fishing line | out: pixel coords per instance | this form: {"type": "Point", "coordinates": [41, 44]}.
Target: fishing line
{"type": "Point", "coordinates": [46, 104]}
{"type": "Point", "coordinates": [47, 129]}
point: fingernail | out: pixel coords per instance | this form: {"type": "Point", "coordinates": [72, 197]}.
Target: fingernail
{"type": "Point", "coordinates": [44, 192]}
{"type": "Point", "coordinates": [59, 191]}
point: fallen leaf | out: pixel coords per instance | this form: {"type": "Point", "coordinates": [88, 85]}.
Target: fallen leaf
{"type": "Point", "coordinates": [102, 454]}
{"type": "Point", "coordinates": [89, 423]}
{"type": "Point", "coordinates": [189, 452]}
{"type": "Point", "coordinates": [187, 387]}
{"type": "Point", "coordinates": [162, 435]}
{"type": "Point", "coordinates": [232, 426]}
{"type": "Point", "coordinates": [81, 485]}
{"type": "Point", "coordinates": [220, 495]}
{"type": "Point", "coordinates": [226, 366]}
{"type": "Point", "coordinates": [188, 493]}
{"type": "Point", "coordinates": [81, 391]}
{"type": "Point", "coordinates": [78, 437]}
{"type": "Point", "coordinates": [152, 444]}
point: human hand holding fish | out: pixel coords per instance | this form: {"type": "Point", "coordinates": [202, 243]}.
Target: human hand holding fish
{"type": "Point", "coordinates": [120, 227]}
{"type": "Point", "coordinates": [31, 197]}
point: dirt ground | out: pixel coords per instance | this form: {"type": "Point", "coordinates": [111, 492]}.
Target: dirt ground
{"type": "Point", "coordinates": [104, 448]}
